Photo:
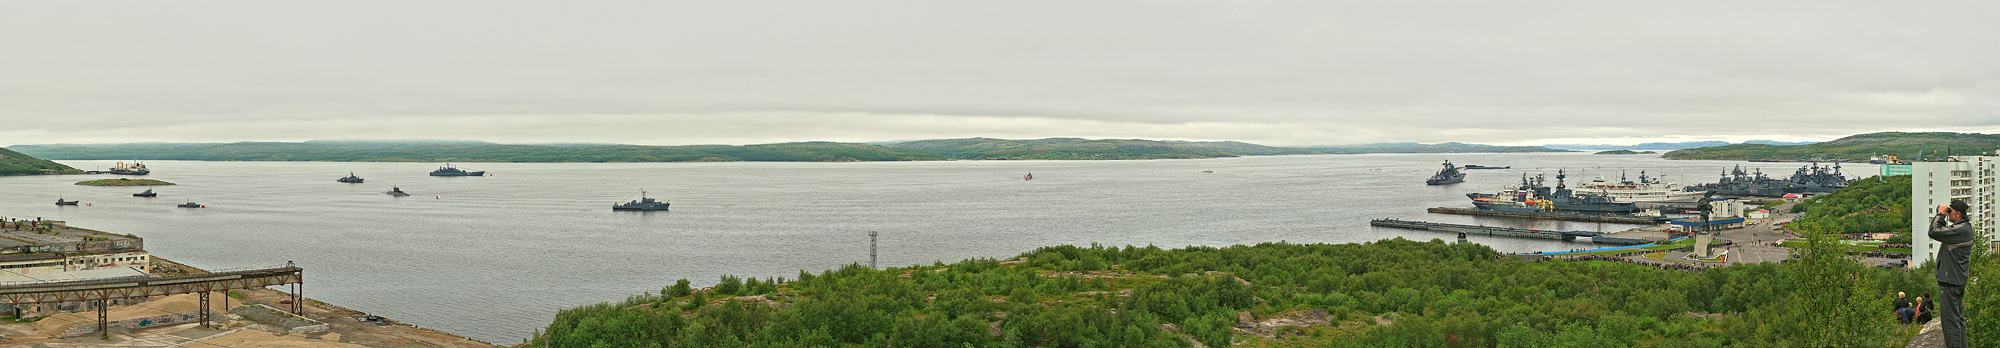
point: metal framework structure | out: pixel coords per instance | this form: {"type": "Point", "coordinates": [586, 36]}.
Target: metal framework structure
{"type": "Point", "coordinates": [101, 291]}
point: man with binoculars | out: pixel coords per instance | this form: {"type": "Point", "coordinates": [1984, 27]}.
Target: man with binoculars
{"type": "Point", "coordinates": [1951, 228]}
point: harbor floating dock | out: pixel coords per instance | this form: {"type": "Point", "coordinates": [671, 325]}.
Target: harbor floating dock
{"type": "Point", "coordinates": [1552, 216]}
{"type": "Point", "coordinates": [1486, 230]}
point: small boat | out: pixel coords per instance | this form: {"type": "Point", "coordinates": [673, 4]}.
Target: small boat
{"type": "Point", "coordinates": [1030, 176]}
{"type": "Point", "coordinates": [1475, 166]}
{"type": "Point", "coordinates": [396, 191]}
{"type": "Point", "coordinates": [643, 204]}
{"type": "Point", "coordinates": [351, 179]}
{"type": "Point", "coordinates": [60, 201]}
{"type": "Point", "coordinates": [148, 193]}
{"type": "Point", "coordinates": [191, 204]}
{"type": "Point", "coordinates": [448, 170]}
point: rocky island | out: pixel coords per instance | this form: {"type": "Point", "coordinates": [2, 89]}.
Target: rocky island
{"type": "Point", "coordinates": [123, 182]}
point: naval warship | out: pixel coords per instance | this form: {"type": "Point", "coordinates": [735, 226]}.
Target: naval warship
{"type": "Point", "coordinates": [1735, 181]}
{"type": "Point", "coordinates": [643, 204]}
{"type": "Point", "coordinates": [1448, 175]}
{"type": "Point", "coordinates": [448, 170]}
{"type": "Point", "coordinates": [1819, 180]}
{"type": "Point", "coordinates": [1534, 195]}
{"type": "Point", "coordinates": [351, 179]}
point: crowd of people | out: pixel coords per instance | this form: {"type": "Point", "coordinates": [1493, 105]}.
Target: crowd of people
{"type": "Point", "coordinates": [1917, 312]}
{"type": "Point", "coordinates": [1626, 258]}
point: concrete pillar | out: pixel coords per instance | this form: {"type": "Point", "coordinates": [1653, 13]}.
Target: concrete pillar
{"type": "Point", "coordinates": [1701, 244]}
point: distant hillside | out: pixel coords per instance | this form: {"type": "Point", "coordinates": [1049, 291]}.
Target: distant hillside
{"type": "Point", "coordinates": [1426, 148]}
{"type": "Point", "coordinates": [1909, 146]}
{"type": "Point", "coordinates": [478, 152]}
{"type": "Point", "coordinates": [818, 151]}
{"type": "Point", "coordinates": [1065, 149]}
{"type": "Point", "coordinates": [1666, 146]}
{"type": "Point", "coordinates": [15, 163]}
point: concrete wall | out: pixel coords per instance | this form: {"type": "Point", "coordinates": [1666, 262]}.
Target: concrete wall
{"type": "Point", "coordinates": [140, 323]}
{"type": "Point", "coordinates": [293, 324]}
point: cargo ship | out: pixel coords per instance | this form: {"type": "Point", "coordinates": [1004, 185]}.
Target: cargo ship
{"type": "Point", "coordinates": [134, 168]}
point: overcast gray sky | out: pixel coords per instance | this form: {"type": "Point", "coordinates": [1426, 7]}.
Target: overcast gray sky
{"type": "Point", "coordinates": [744, 72]}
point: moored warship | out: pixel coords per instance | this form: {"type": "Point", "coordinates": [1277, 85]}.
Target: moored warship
{"type": "Point", "coordinates": [1811, 179]}
{"type": "Point", "coordinates": [351, 179]}
{"type": "Point", "coordinates": [1533, 195]}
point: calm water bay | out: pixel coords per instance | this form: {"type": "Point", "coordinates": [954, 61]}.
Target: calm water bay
{"type": "Point", "coordinates": [494, 257]}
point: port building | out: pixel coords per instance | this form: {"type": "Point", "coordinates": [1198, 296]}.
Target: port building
{"type": "Point", "coordinates": [39, 251]}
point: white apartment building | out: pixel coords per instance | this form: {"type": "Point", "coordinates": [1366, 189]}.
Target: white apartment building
{"type": "Point", "coordinates": [1968, 178]}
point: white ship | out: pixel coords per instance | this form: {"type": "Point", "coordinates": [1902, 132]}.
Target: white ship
{"type": "Point", "coordinates": [1646, 190]}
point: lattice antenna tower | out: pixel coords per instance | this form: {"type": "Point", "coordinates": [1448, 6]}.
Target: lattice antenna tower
{"type": "Point", "coordinates": [871, 250]}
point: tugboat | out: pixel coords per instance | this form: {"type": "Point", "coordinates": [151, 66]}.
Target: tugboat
{"type": "Point", "coordinates": [60, 201]}
{"type": "Point", "coordinates": [396, 192]}
{"type": "Point", "coordinates": [148, 193]}
{"type": "Point", "coordinates": [351, 179]}
{"type": "Point", "coordinates": [191, 204]}
{"type": "Point", "coordinates": [1448, 175]}
{"type": "Point", "coordinates": [643, 204]}
{"type": "Point", "coordinates": [448, 170]}
{"type": "Point", "coordinates": [133, 168]}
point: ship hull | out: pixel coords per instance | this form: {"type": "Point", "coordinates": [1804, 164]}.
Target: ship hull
{"type": "Point", "coordinates": [459, 174]}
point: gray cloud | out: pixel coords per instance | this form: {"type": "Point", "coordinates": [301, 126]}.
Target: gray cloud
{"type": "Point", "coordinates": [1281, 73]}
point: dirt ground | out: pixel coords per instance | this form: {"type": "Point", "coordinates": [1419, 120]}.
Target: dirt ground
{"type": "Point", "coordinates": [346, 330]}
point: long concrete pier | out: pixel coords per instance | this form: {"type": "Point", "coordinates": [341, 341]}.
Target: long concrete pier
{"type": "Point", "coordinates": [1568, 216]}
{"type": "Point", "coordinates": [1485, 230]}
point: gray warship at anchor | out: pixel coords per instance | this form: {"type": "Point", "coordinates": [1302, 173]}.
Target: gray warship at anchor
{"type": "Point", "coordinates": [643, 204]}
{"type": "Point", "coordinates": [1448, 175]}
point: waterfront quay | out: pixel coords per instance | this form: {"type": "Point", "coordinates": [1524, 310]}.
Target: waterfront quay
{"type": "Point", "coordinates": [1756, 242]}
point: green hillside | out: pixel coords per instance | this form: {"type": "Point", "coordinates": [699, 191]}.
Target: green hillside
{"type": "Point", "coordinates": [817, 151]}
{"type": "Point", "coordinates": [16, 163]}
{"type": "Point", "coordinates": [479, 152]}
{"type": "Point", "coordinates": [1390, 293]}
{"type": "Point", "coordinates": [1908, 146]}
{"type": "Point", "coordinates": [1872, 205]}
